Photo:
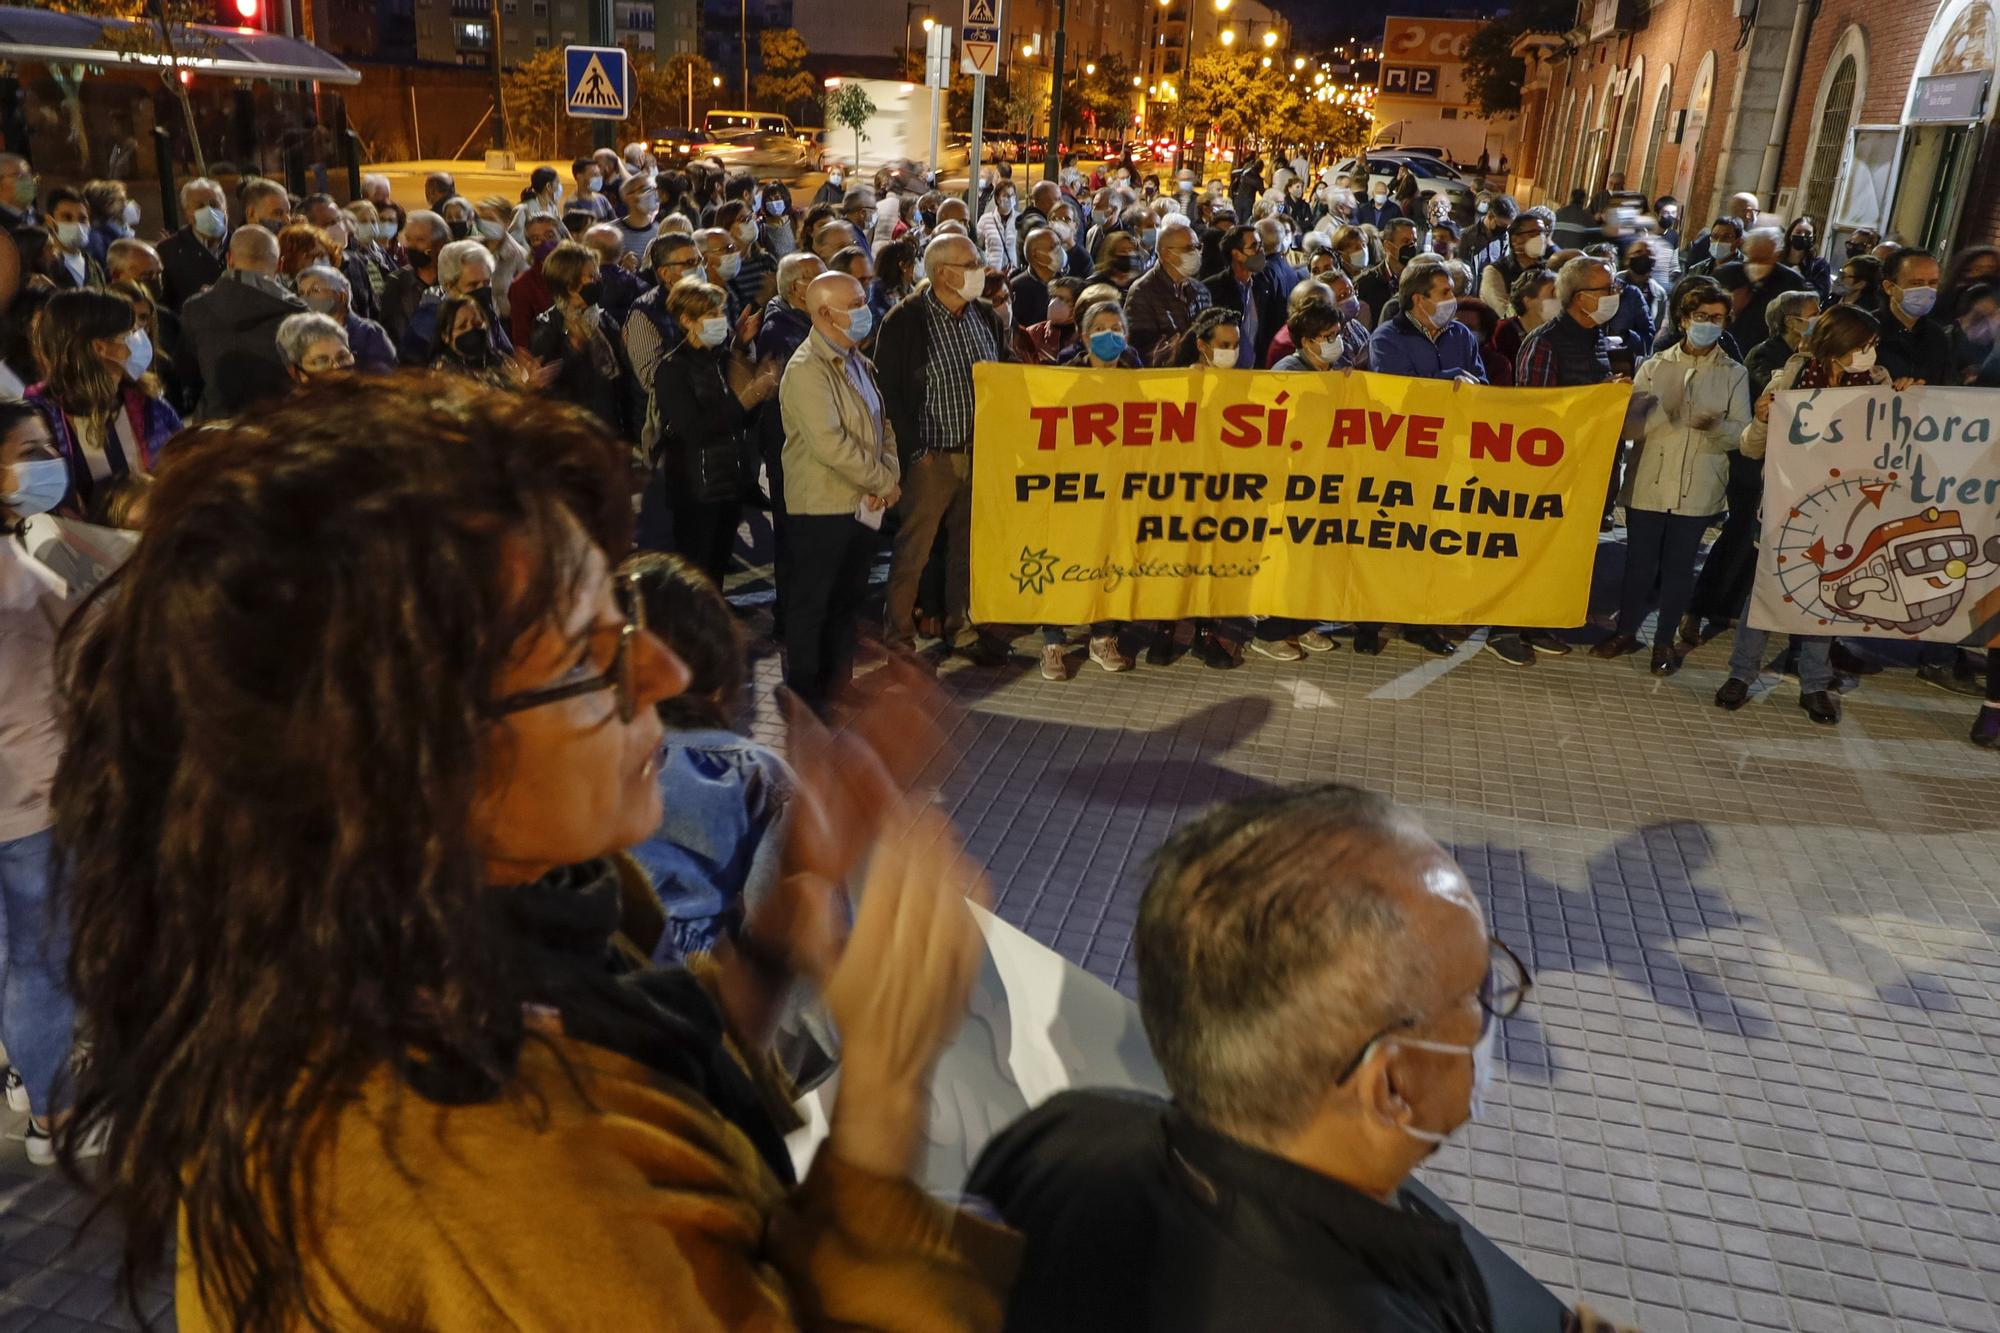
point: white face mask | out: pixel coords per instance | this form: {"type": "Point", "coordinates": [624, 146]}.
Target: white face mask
{"type": "Point", "coordinates": [1757, 272]}
{"type": "Point", "coordinates": [1862, 361]}
{"type": "Point", "coordinates": [491, 230]}
{"type": "Point", "coordinates": [1328, 350]}
{"type": "Point", "coordinates": [138, 354]}
{"type": "Point", "coordinates": [210, 223]}
{"type": "Point", "coordinates": [713, 330]}
{"type": "Point", "coordinates": [71, 235]}
{"type": "Point", "coordinates": [1482, 1075]}
{"type": "Point", "coordinates": [730, 266]}
{"type": "Point", "coordinates": [1185, 264]}
{"type": "Point", "coordinates": [1535, 246]}
{"type": "Point", "coordinates": [1222, 358]}
{"type": "Point", "coordinates": [1549, 308]}
{"type": "Point", "coordinates": [131, 213]}
{"type": "Point", "coordinates": [1721, 250]}
{"type": "Point", "coordinates": [1442, 315]}
{"type": "Point", "coordinates": [972, 284]}
{"type": "Point", "coordinates": [1606, 308]}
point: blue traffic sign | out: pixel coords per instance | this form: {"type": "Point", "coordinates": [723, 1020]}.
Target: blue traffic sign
{"type": "Point", "coordinates": [596, 82]}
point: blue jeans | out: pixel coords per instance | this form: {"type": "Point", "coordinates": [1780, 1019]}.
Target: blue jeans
{"type": "Point", "coordinates": [36, 1013]}
{"type": "Point", "coordinates": [1746, 658]}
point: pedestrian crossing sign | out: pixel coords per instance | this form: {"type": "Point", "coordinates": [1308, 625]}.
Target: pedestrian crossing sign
{"type": "Point", "coordinates": [596, 82]}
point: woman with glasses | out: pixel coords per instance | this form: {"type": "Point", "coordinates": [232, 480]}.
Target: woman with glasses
{"type": "Point", "coordinates": [1698, 404]}
{"type": "Point", "coordinates": [348, 927]}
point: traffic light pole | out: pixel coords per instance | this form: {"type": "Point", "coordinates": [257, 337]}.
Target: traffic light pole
{"type": "Point", "coordinates": [1049, 163]}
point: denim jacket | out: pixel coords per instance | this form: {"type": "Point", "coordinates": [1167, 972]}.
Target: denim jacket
{"type": "Point", "coordinates": [727, 806]}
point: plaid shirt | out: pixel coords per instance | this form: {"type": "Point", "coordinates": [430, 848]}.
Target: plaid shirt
{"type": "Point", "coordinates": [1539, 363]}
{"type": "Point", "coordinates": [957, 343]}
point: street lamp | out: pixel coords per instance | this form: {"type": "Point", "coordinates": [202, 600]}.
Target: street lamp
{"type": "Point", "coordinates": [909, 10]}
{"type": "Point", "coordinates": [1267, 62]}
{"type": "Point", "coordinates": [1229, 36]}
{"type": "Point", "coordinates": [1222, 6]}
{"type": "Point", "coordinates": [1298, 62]}
{"type": "Point", "coordinates": [1090, 67]}
{"type": "Point", "coordinates": [1270, 36]}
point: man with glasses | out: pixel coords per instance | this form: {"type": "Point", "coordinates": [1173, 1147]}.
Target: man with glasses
{"type": "Point", "coordinates": [313, 346]}
{"type": "Point", "coordinates": [1167, 296]}
{"type": "Point", "coordinates": [1317, 983]}
{"type": "Point", "coordinates": [1248, 286]}
{"type": "Point", "coordinates": [924, 357]}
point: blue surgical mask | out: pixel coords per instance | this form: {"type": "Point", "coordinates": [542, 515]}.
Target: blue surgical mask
{"type": "Point", "coordinates": [859, 321]}
{"type": "Point", "coordinates": [1702, 334]}
{"type": "Point", "coordinates": [1916, 302]}
{"type": "Point", "coordinates": [712, 331]}
{"type": "Point", "coordinates": [41, 484]}
{"type": "Point", "coordinates": [1107, 344]}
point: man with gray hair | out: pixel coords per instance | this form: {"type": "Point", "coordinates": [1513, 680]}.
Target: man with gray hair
{"type": "Point", "coordinates": [1769, 276]}
{"type": "Point", "coordinates": [1166, 297]}
{"type": "Point", "coordinates": [1319, 988]}
{"type": "Point", "coordinates": [840, 472]}
{"type": "Point", "coordinates": [327, 291]}
{"type": "Point", "coordinates": [312, 345]}
{"type": "Point", "coordinates": [229, 351]}
{"type": "Point", "coordinates": [786, 324]}
{"type": "Point", "coordinates": [375, 189]}
{"type": "Point", "coordinates": [924, 354]}
{"type": "Point", "coordinates": [191, 258]}
{"type": "Point", "coordinates": [424, 236]}
{"type": "Point", "coordinates": [18, 192]}
{"type": "Point", "coordinates": [464, 268]}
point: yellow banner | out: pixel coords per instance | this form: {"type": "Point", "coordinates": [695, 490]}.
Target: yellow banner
{"type": "Point", "coordinates": [1159, 494]}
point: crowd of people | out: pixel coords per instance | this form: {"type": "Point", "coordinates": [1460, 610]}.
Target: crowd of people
{"type": "Point", "coordinates": [426, 633]}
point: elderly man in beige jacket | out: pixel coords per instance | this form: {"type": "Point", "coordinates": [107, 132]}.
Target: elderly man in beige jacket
{"type": "Point", "coordinates": [841, 476]}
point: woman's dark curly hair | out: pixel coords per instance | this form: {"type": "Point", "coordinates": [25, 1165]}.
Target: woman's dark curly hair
{"type": "Point", "coordinates": [265, 805]}
{"type": "Point", "coordinates": [689, 614]}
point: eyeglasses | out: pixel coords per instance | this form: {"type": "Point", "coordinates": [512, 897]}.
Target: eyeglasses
{"type": "Point", "coordinates": [621, 677]}
{"type": "Point", "coordinates": [1502, 992]}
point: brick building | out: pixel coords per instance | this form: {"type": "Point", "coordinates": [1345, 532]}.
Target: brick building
{"type": "Point", "coordinates": [1859, 111]}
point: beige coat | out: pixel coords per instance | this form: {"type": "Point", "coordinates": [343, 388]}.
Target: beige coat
{"type": "Point", "coordinates": [1680, 469]}
{"type": "Point", "coordinates": [836, 449]}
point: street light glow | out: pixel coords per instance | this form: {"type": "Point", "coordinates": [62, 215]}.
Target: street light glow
{"type": "Point", "coordinates": [1229, 36]}
{"type": "Point", "coordinates": [716, 82]}
{"type": "Point", "coordinates": [1027, 48]}
{"type": "Point", "coordinates": [1222, 6]}
{"type": "Point", "coordinates": [1135, 80]}
{"type": "Point", "coordinates": [1090, 67]}
{"type": "Point", "coordinates": [1298, 62]}
{"type": "Point", "coordinates": [929, 23]}
{"type": "Point", "coordinates": [1270, 36]}
{"type": "Point", "coordinates": [1267, 62]}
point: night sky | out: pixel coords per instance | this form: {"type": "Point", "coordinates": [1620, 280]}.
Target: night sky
{"type": "Point", "coordinates": [1324, 22]}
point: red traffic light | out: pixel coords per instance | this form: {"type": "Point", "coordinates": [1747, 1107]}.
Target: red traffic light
{"type": "Point", "coordinates": [246, 9]}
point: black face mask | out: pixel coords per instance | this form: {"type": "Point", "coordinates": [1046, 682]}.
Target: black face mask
{"type": "Point", "coordinates": [473, 344]}
{"type": "Point", "coordinates": [1126, 263]}
{"type": "Point", "coordinates": [483, 295]}
{"type": "Point", "coordinates": [1856, 251]}
{"type": "Point", "coordinates": [1641, 265]}
{"type": "Point", "coordinates": [591, 292]}
{"type": "Point", "coordinates": [1803, 244]}
{"type": "Point", "coordinates": [420, 258]}
{"type": "Point", "coordinates": [459, 229]}
{"type": "Point", "coordinates": [1407, 253]}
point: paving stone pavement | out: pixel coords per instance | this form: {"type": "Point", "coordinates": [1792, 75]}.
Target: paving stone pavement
{"type": "Point", "coordinates": [1757, 1084]}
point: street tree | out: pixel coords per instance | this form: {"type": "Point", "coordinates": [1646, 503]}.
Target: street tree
{"type": "Point", "coordinates": [785, 83]}
{"type": "Point", "coordinates": [688, 77]}
{"type": "Point", "coordinates": [1493, 73]}
{"type": "Point", "coordinates": [159, 31]}
{"type": "Point", "coordinates": [850, 106]}
{"type": "Point", "coordinates": [1097, 96]}
{"type": "Point", "coordinates": [533, 92]}
{"type": "Point", "coordinates": [1218, 94]}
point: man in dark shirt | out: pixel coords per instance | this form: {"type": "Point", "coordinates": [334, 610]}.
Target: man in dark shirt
{"type": "Point", "coordinates": [1913, 346]}
{"type": "Point", "coordinates": [1377, 287]}
{"type": "Point", "coordinates": [1269, 1193]}
{"type": "Point", "coordinates": [1248, 286]}
{"type": "Point", "coordinates": [1767, 278]}
{"type": "Point", "coordinates": [1046, 259]}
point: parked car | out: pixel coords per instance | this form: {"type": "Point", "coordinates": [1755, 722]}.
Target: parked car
{"type": "Point", "coordinates": [1433, 177]}
{"type": "Point", "coordinates": [678, 144]}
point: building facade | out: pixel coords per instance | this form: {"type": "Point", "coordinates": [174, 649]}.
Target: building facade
{"type": "Point", "coordinates": [1853, 112]}
{"type": "Point", "coordinates": [460, 32]}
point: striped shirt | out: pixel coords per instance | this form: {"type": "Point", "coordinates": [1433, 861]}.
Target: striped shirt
{"type": "Point", "coordinates": [957, 343]}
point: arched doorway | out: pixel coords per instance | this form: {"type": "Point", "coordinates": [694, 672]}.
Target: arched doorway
{"type": "Point", "coordinates": [1628, 122]}
{"type": "Point", "coordinates": [1944, 123]}
{"type": "Point", "coordinates": [1649, 175]}
{"type": "Point", "coordinates": [1691, 137]}
{"type": "Point", "coordinates": [1833, 116]}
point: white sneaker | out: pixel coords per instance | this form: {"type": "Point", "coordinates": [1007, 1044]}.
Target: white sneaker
{"type": "Point", "coordinates": [17, 1092]}
{"type": "Point", "coordinates": [42, 1146]}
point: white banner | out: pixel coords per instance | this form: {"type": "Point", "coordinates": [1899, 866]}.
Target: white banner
{"type": "Point", "coordinates": [1881, 516]}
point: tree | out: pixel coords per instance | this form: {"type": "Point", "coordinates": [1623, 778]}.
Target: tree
{"type": "Point", "coordinates": [1219, 93]}
{"type": "Point", "coordinates": [159, 30]}
{"type": "Point", "coordinates": [1022, 107]}
{"type": "Point", "coordinates": [689, 78]}
{"type": "Point", "coordinates": [1100, 100]}
{"type": "Point", "coordinates": [851, 106]}
{"type": "Point", "coordinates": [533, 93]}
{"type": "Point", "coordinates": [785, 82]}
{"type": "Point", "coordinates": [1493, 74]}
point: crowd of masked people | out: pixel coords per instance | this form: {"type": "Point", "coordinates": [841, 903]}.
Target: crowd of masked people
{"type": "Point", "coordinates": [399, 923]}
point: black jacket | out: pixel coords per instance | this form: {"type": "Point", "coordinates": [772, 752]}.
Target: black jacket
{"type": "Point", "coordinates": [581, 381]}
{"type": "Point", "coordinates": [186, 267]}
{"type": "Point", "coordinates": [1922, 351]}
{"type": "Point", "coordinates": [402, 292]}
{"type": "Point", "coordinates": [229, 345]}
{"type": "Point", "coordinates": [1136, 1218]}
{"type": "Point", "coordinates": [1270, 303]}
{"type": "Point", "coordinates": [697, 406]}
{"type": "Point", "coordinates": [902, 356]}
{"type": "Point", "coordinates": [1031, 297]}
{"type": "Point", "coordinates": [1377, 287]}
